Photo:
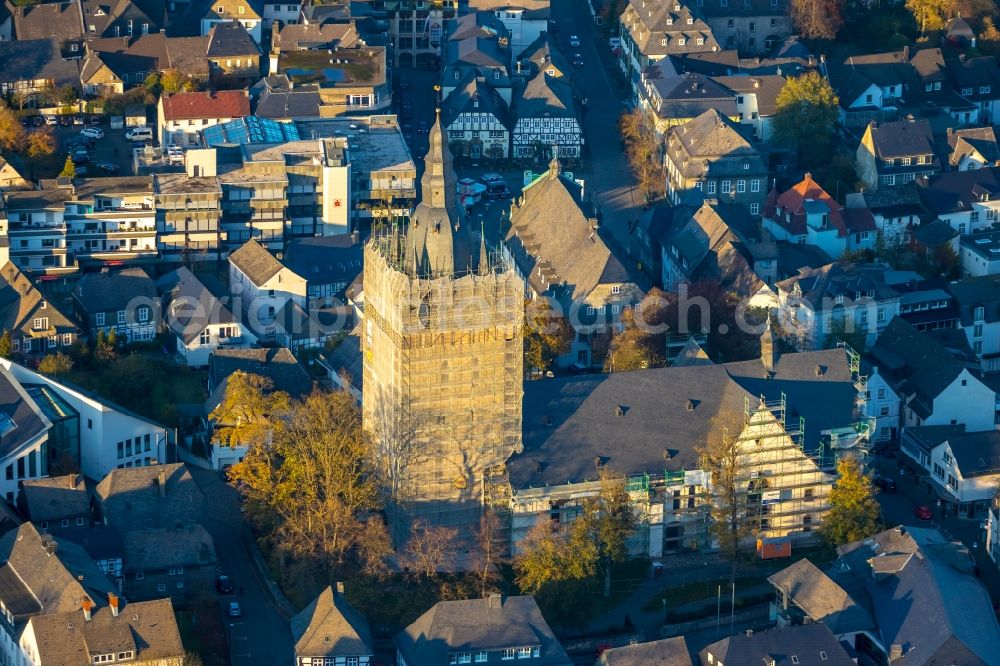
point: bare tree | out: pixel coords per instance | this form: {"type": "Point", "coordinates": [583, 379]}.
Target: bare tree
{"type": "Point", "coordinates": [642, 147]}
{"type": "Point", "coordinates": [430, 549]}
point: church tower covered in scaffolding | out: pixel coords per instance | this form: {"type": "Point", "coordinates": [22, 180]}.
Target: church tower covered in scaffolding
{"type": "Point", "coordinates": [442, 343]}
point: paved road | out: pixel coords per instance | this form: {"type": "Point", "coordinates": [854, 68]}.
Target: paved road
{"type": "Point", "coordinates": [262, 635]}
{"type": "Point", "coordinates": [606, 170]}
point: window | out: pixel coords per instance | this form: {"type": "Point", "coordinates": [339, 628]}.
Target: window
{"type": "Point", "coordinates": [616, 289]}
{"type": "Point", "coordinates": [883, 410]}
{"type": "Point", "coordinates": [524, 653]}
{"type": "Point", "coordinates": [64, 522]}
{"type": "Point", "coordinates": [953, 483]}
{"type": "Point", "coordinates": [980, 313]}
{"type": "Point", "coordinates": [889, 180]}
{"type": "Point", "coordinates": [822, 655]}
{"type": "Point", "coordinates": [590, 310]}
{"type": "Point", "coordinates": [139, 575]}
{"type": "Point", "coordinates": [161, 587]}
{"type": "Point", "coordinates": [121, 449]}
{"type": "Point", "coordinates": [977, 330]}
{"type": "Point", "coordinates": [104, 658]}
{"type": "Point", "coordinates": [480, 658]}
{"type": "Point", "coordinates": [17, 344]}
{"type": "Point", "coordinates": [67, 339]}
{"type": "Point", "coordinates": [79, 522]}
{"type": "Point", "coordinates": [507, 653]}
{"type": "Point", "coordinates": [755, 185]}
{"type": "Point", "coordinates": [460, 658]}
{"type": "Point", "coordinates": [41, 323]}
{"type": "Point", "coordinates": [53, 340]}
{"type": "Point", "coordinates": [711, 187]}
{"type": "Point", "coordinates": [180, 585]}
{"type": "Point", "coordinates": [128, 654]}
{"type": "Point", "coordinates": [99, 319]}
{"type": "Point", "coordinates": [143, 314]}
{"type": "Point", "coordinates": [753, 26]}
{"type": "Point", "coordinates": [966, 91]}
{"type": "Point", "coordinates": [983, 90]}
{"type": "Point", "coordinates": [726, 187]}
{"type": "Point", "coordinates": [881, 314]}
{"type": "Point", "coordinates": [205, 337]}
{"type": "Point", "coordinates": [946, 457]}
{"type": "Point", "coordinates": [741, 186]}
{"type": "Point", "coordinates": [881, 392]}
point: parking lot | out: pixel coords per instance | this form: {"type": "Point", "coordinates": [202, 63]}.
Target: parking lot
{"type": "Point", "coordinates": [113, 148]}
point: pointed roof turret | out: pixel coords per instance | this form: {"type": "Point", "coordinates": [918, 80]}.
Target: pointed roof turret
{"type": "Point", "coordinates": [554, 163]}
{"type": "Point", "coordinates": [438, 247]}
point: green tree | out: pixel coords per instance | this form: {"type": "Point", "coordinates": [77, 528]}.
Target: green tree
{"type": "Point", "coordinates": [931, 14]}
{"type": "Point", "coordinates": [152, 83]}
{"type": "Point", "coordinates": [6, 346]}
{"type": "Point", "coordinates": [250, 410]}
{"type": "Point", "coordinates": [817, 19]}
{"type": "Point", "coordinates": [173, 81]}
{"type": "Point", "coordinates": [854, 512]}
{"type": "Point", "coordinates": [55, 364]}
{"type": "Point", "coordinates": [67, 95]}
{"type": "Point", "coordinates": [69, 169]}
{"type": "Point", "coordinates": [806, 116]}
{"type": "Point", "coordinates": [607, 521]}
{"type": "Point", "coordinates": [547, 334]}
{"type": "Point", "coordinates": [313, 477]}
{"type": "Point", "coordinates": [552, 553]}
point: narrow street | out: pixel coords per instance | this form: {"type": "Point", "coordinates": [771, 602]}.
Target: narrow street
{"type": "Point", "coordinates": [606, 169]}
{"type": "Point", "coordinates": [262, 635]}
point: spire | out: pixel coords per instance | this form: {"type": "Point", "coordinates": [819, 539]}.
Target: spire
{"type": "Point", "coordinates": [768, 353]}
{"type": "Point", "coordinates": [433, 229]}
{"type": "Point", "coordinates": [554, 163]}
{"type": "Point", "coordinates": [484, 257]}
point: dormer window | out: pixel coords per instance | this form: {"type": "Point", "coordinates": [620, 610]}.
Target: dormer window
{"type": "Point", "coordinates": [663, 42]}
{"type": "Point", "coordinates": [983, 90]}
{"type": "Point", "coordinates": [220, 9]}
{"type": "Point", "coordinates": [670, 20]}
{"type": "Point", "coordinates": [690, 21]}
{"type": "Point", "coordinates": [682, 41]}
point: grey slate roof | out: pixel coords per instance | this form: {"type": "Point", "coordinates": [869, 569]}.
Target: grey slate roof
{"type": "Point", "coordinates": [543, 95]}
{"type": "Point", "coordinates": [820, 285]}
{"type": "Point", "coordinates": [810, 644]}
{"type": "Point", "coordinates": [278, 364]}
{"type": "Point", "coordinates": [157, 549]}
{"type": "Point", "coordinates": [230, 39]}
{"type": "Point", "coordinates": [976, 453]}
{"type": "Point", "coordinates": [330, 627]}
{"type": "Point", "coordinates": [665, 652]}
{"type": "Point", "coordinates": [821, 598]}
{"type": "Point", "coordinates": [955, 191]}
{"type": "Point", "coordinates": [933, 606]}
{"type": "Point", "coordinates": [974, 292]}
{"type": "Point", "coordinates": [479, 624]}
{"type": "Point", "coordinates": [54, 497]}
{"type": "Point", "coordinates": [710, 136]}
{"type": "Point", "coordinates": [278, 100]}
{"type": "Point", "coordinates": [114, 290]}
{"type": "Point", "coordinates": [131, 499]}
{"type": "Point", "coordinates": [766, 87]}
{"type": "Point", "coordinates": [475, 95]}
{"type": "Point", "coordinates": [688, 94]}
{"type": "Point", "coordinates": [573, 253]}
{"type": "Point", "coordinates": [965, 142]}
{"type": "Point", "coordinates": [255, 262]}
{"type": "Point", "coordinates": [37, 59]}
{"type": "Point", "coordinates": [904, 138]}
{"type": "Point", "coordinates": [191, 306]}
{"type": "Point", "coordinates": [147, 628]}
{"type": "Point", "coordinates": [568, 421]}
{"type": "Point", "coordinates": [62, 21]}
{"type": "Point", "coordinates": [649, 23]}
{"type": "Point", "coordinates": [325, 259]}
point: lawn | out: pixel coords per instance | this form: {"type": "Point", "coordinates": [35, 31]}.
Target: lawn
{"type": "Point", "coordinates": [698, 591]}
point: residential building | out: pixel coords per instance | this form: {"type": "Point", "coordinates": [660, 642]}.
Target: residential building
{"type": "Point", "coordinates": [488, 630]}
{"type": "Point", "coordinates": [756, 27]}
{"type": "Point", "coordinates": [756, 100]}
{"type": "Point", "coordinates": [716, 243]}
{"type": "Point", "coordinates": [961, 466]}
{"type": "Point", "coordinates": [713, 157]}
{"type": "Point", "coordinates": [61, 21]}
{"type": "Point", "coordinates": [872, 87]}
{"type": "Point", "coordinates": [26, 452]}
{"type": "Point", "coordinates": [977, 80]}
{"type": "Point", "coordinates": [675, 98]}
{"type": "Point", "coordinates": [277, 98]}
{"type": "Point", "coordinates": [927, 305]}
{"type": "Point", "coordinates": [570, 264]}
{"type": "Point", "coordinates": [979, 307]}
{"type": "Point", "coordinates": [357, 81]}
{"type": "Point", "coordinates": [934, 388]}
{"type": "Point", "coordinates": [188, 214]}
{"type": "Point", "coordinates": [327, 264]}
{"type": "Point", "coordinates": [88, 221]}
{"type": "Point", "coordinates": [896, 153]}
{"type": "Point", "coordinates": [123, 301]}
{"type": "Point", "coordinates": [525, 20]}
{"type": "Point", "coordinates": [330, 629]}
{"type": "Point", "coordinates": [31, 67]}
{"type": "Point", "coordinates": [896, 210]}
{"type": "Point", "coordinates": [105, 546]}
{"type": "Point", "coordinates": [542, 55]}
{"type": "Point", "coordinates": [652, 31]}
{"type": "Point", "coordinates": [10, 177]}
{"type": "Point", "coordinates": [818, 304]}
{"type": "Point", "coordinates": [37, 326]}
{"type": "Point", "coordinates": [233, 54]}
{"type": "Point", "coordinates": [546, 118]}
{"type": "Point", "coordinates": [176, 561]}
{"type": "Point", "coordinates": [806, 213]}
{"type": "Point", "coordinates": [199, 320]}
{"type": "Point", "coordinates": [115, 64]}
{"type": "Point", "coordinates": [645, 244]}
{"type": "Point", "coordinates": [150, 497]}
{"type": "Point", "coordinates": [478, 46]}
{"type": "Point", "coordinates": [807, 645]}
{"type": "Point", "coordinates": [240, 11]}
{"type": "Point", "coordinates": [146, 634]}
{"type": "Point", "coordinates": [979, 254]}
{"type": "Point", "coordinates": [417, 30]}
{"type": "Point", "coordinates": [281, 13]}
{"type": "Point", "coordinates": [477, 121]}
{"type": "Point", "coordinates": [972, 148]}
{"type": "Point", "coordinates": [406, 376]}
{"type": "Point", "coordinates": [275, 364]}
{"type": "Point", "coordinates": [968, 201]}
{"type": "Point", "coordinates": [45, 577]}
{"type": "Point", "coordinates": [262, 285]}
{"type": "Point", "coordinates": [181, 116]}
{"type": "Point", "coordinates": [663, 652]}
{"type": "Point", "coordinates": [123, 18]}
{"type": "Point", "coordinates": [55, 503]}
{"type": "Point", "coordinates": [808, 419]}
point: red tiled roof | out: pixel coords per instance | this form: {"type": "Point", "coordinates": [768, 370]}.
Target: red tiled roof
{"type": "Point", "coordinates": [792, 200]}
{"type": "Point", "coordinates": [192, 105]}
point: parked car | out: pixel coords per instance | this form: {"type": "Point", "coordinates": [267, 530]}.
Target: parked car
{"type": "Point", "coordinates": [139, 134]}
{"type": "Point", "coordinates": [574, 40]}
{"type": "Point", "coordinates": [577, 60]}
{"type": "Point", "coordinates": [38, 121]}
{"type": "Point", "coordinates": [73, 143]}
{"type": "Point", "coordinates": [65, 121]}
{"type": "Point", "coordinates": [223, 585]}
{"type": "Point", "coordinates": [92, 132]}
{"type": "Point", "coordinates": [922, 512]}
{"type": "Point", "coordinates": [26, 121]}
{"type": "Point", "coordinates": [77, 120]}
{"type": "Point", "coordinates": [234, 609]}
{"type": "Point", "coordinates": [884, 484]}
{"type": "Point", "coordinates": [109, 167]}
{"type": "Point", "coordinates": [51, 120]}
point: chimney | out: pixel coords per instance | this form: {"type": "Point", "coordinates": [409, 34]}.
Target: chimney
{"type": "Point", "coordinates": [339, 588]}
{"type": "Point", "coordinates": [113, 602]}
{"type": "Point", "coordinates": [906, 53]}
{"type": "Point", "coordinates": [494, 601]}
{"type": "Point", "coordinates": [161, 481]}
{"type": "Point", "coordinates": [88, 606]}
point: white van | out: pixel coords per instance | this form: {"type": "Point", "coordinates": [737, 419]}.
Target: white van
{"type": "Point", "coordinates": [139, 134]}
